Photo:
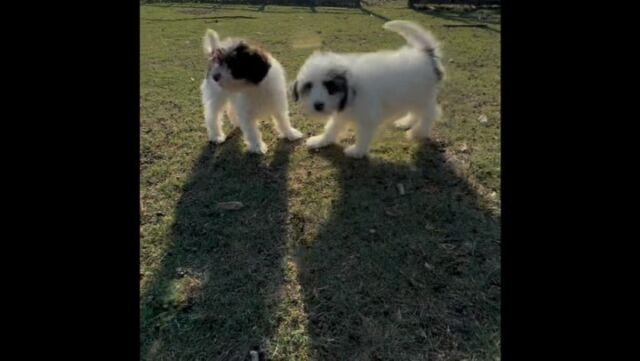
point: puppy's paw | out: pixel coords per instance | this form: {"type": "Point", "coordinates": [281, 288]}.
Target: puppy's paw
{"type": "Point", "coordinates": [218, 139]}
{"type": "Point", "coordinates": [317, 141]}
{"type": "Point", "coordinates": [353, 152]}
{"type": "Point", "coordinates": [258, 148]}
{"type": "Point", "coordinates": [293, 134]}
{"type": "Point", "coordinates": [404, 123]}
{"type": "Point", "coordinates": [415, 135]}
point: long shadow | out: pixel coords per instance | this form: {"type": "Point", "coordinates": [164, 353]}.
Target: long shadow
{"type": "Point", "coordinates": [212, 297]}
{"type": "Point", "coordinates": [203, 18]}
{"type": "Point", "coordinates": [393, 277]}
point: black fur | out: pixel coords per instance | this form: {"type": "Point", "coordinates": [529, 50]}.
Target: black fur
{"type": "Point", "coordinates": [247, 63]}
{"type": "Point", "coordinates": [437, 66]}
{"type": "Point", "coordinates": [294, 90]}
{"type": "Point", "coordinates": [306, 88]}
{"type": "Point", "coordinates": [338, 84]}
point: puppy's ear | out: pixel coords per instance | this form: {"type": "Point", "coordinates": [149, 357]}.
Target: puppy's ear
{"type": "Point", "coordinates": [249, 63]}
{"type": "Point", "coordinates": [342, 83]}
{"type": "Point", "coordinates": [343, 101]}
{"type": "Point", "coordinates": [210, 42]}
{"type": "Point", "coordinates": [294, 91]}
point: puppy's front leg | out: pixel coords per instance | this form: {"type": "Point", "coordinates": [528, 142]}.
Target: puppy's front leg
{"type": "Point", "coordinates": [213, 106]}
{"type": "Point", "coordinates": [364, 136]}
{"type": "Point", "coordinates": [331, 132]}
{"type": "Point", "coordinates": [251, 133]}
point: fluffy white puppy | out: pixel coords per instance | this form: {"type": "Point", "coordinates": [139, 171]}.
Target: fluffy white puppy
{"type": "Point", "coordinates": [367, 89]}
{"type": "Point", "coordinates": [249, 84]}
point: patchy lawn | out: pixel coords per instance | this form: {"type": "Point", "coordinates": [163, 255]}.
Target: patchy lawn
{"type": "Point", "coordinates": [326, 260]}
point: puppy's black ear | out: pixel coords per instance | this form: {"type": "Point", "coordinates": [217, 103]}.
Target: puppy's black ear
{"type": "Point", "coordinates": [294, 91]}
{"type": "Point", "coordinates": [259, 66]}
{"type": "Point", "coordinates": [344, 89]}
{"type": "Point", "coordinates": [343, 101]}
{"type": "Point", "coordinates": [249, 63]}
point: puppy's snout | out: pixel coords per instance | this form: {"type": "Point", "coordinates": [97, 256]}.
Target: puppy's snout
{"type": "Point", "coordinates": [216, 76]}
{"type": "Point", "coordinates": [318, 106]}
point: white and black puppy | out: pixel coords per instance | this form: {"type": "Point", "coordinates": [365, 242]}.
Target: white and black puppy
{"type": "Point", "coordinates": [249, 84]}
{"type": "Point", "coordinates": [367, 89]}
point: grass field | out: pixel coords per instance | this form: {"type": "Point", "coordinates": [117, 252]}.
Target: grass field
{"type": "Point", "coordinates": [326, 260]}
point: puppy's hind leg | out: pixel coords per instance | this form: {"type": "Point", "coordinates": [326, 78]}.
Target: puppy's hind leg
{"type": "Point", "coordinates": [284, 128]}
{"type": "Point", "coordinates": [231, 114]}
{"type": "Point", "coordinates": [251, 133]}
{"type": "Point", "coordinates": [405, 122]}
{"type": "Point", "coordinates": [425, 121]}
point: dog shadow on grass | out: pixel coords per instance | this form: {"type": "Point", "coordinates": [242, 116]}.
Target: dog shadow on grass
{"type": "Point", "coordinates": [386, 277]}
{"type": "Point", "coordinates": [210, 298]}
{"type": "Point", "coordinates": [402, 277]}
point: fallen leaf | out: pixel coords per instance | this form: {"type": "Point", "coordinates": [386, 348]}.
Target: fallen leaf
{"type": "Point", "coordinates": [483, 118]}
{"type": "Point", "coordinates": [400, 189]}
{"type": "Point", "coordinates": [447, 246]}
{"type": "Point", "coordinates": [429, 267]}
{"type": "Point", "coordinates": [230, 206]}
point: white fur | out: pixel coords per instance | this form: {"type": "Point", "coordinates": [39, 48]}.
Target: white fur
{"type": "Point", "coordinates": [245, 104]}
{"type": "Point", "coordinates": [386, 85]}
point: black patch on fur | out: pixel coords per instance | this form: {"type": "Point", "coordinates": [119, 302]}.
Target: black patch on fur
{"type": "Point", "coordinates": [338, 85]}
{"type": "Point", "coordinates": [306, 88]}
{"type": "Point", "coordinates": [437, 66]}
{"type": "Point", "coordinates": [294, 91]}
{"type": "Point", "coordinates": [247, 63]}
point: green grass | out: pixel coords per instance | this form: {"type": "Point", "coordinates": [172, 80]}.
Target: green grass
{"type": "Point", "coordinates": [326, 260]}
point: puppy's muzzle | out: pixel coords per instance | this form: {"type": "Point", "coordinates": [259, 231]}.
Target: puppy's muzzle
{"type": "Point", "coordinates": [217, 76]}
{"type": "Point", "coordinates": [318, 106]}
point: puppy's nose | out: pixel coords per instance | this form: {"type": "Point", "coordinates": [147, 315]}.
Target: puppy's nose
{"type": "Point", "coordinates": [216, 76]}
{"type": "Point", "coordinates": [319, 106]}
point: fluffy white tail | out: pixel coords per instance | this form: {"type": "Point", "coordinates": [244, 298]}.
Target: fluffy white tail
{"type": "Point", "coordinates": [210, 41]}
{"type": "Point", "coordinates": [416, 35]}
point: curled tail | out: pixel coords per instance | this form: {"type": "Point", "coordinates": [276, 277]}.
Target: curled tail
{"type": "Point", "coordinates": [416, 35]}
{"type": "Point", "coordinates": [420, 38]}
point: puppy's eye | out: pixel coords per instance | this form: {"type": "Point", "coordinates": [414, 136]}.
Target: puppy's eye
{"type": "Point", "coordinates": [306, 87]}
{"type": "Point", "coordinates": [332, 87]}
